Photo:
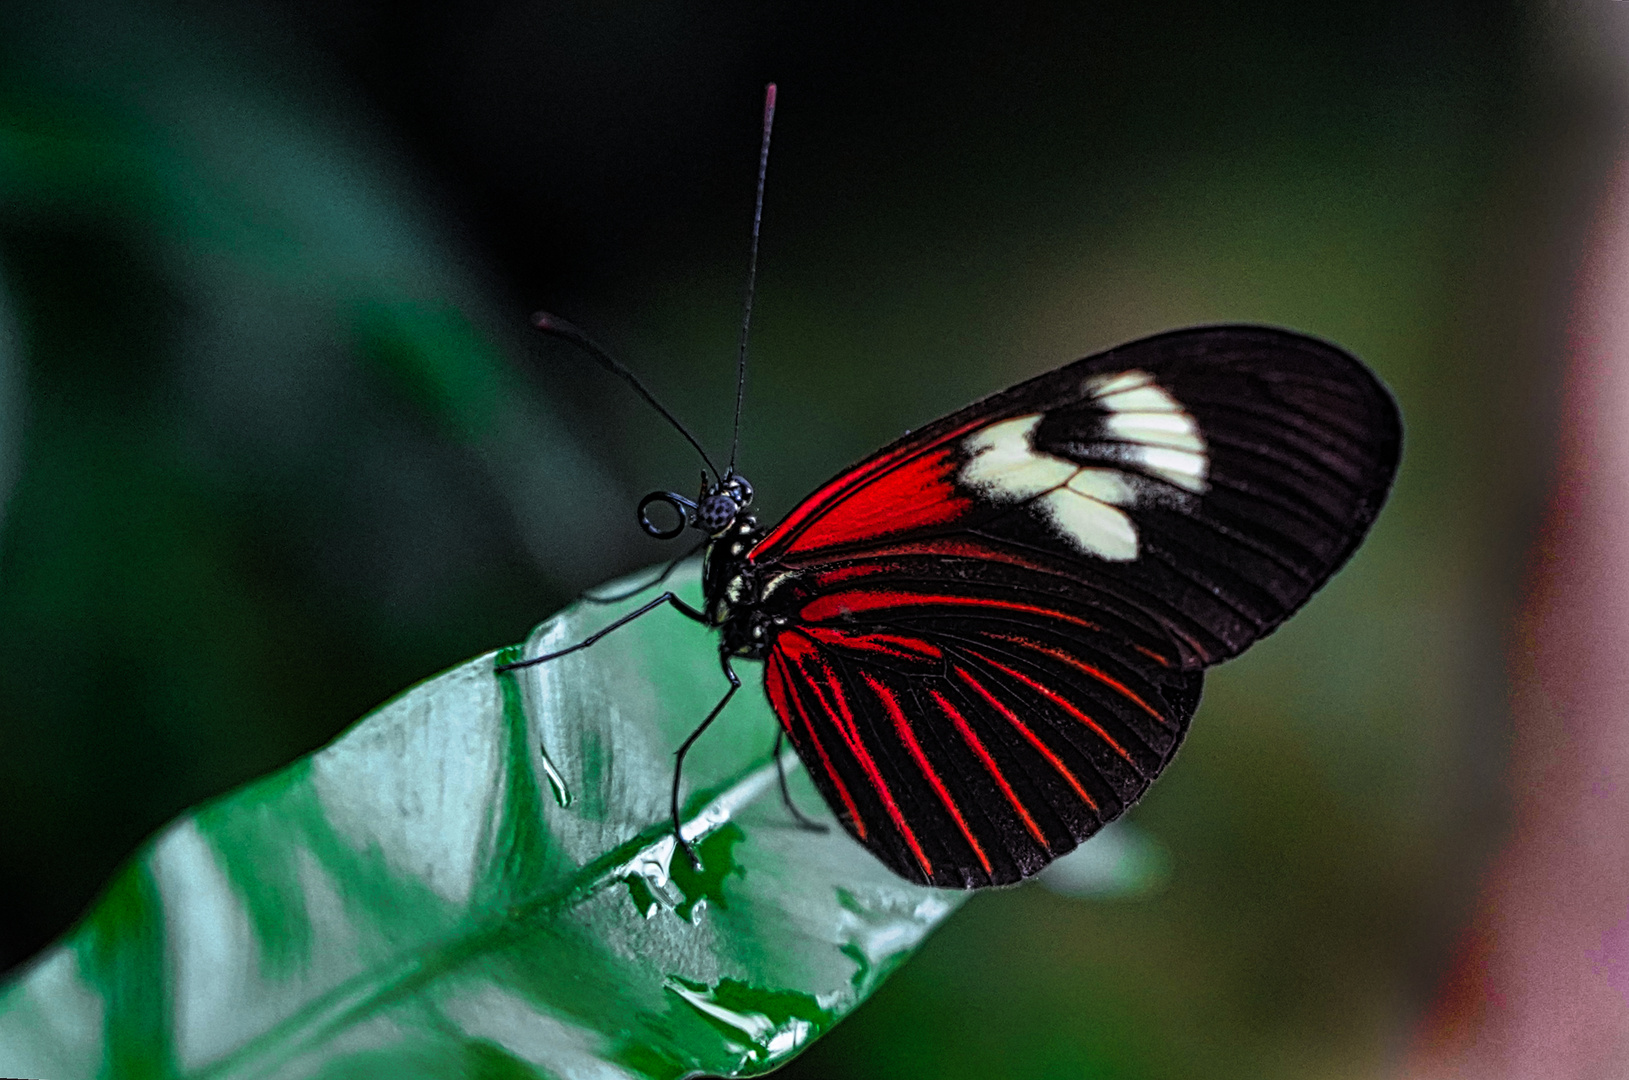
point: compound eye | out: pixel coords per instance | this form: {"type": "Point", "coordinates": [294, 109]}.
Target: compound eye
{"type": "Point", "coordinates": [716, 512]}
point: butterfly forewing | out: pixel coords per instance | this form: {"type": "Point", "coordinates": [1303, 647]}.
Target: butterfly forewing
{"type": "Point", "coordinates": [993, 631]}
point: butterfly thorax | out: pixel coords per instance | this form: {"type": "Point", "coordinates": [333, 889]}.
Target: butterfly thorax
{"type": "Point", "coordinates": [734, 588]}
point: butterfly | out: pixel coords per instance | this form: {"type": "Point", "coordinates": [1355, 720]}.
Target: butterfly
{"type": "Point", "coordinates": [986, 640]}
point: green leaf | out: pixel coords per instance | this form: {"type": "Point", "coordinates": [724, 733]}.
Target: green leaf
{"type": "Point", "coordinates": [478, 880]}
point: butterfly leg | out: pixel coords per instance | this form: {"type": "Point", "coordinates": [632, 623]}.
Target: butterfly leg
{"type": "Point", "coordinates": [651, 584]}
{"type": "Point", "coordinates": [666, 598]}
{"type": "Point", "coordinates": [684, 748]}
{"type": "Point", "coordinates": [803, 820]}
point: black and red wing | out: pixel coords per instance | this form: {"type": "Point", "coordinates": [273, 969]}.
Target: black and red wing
{"type": "Point", "coordinates": [995, 628]}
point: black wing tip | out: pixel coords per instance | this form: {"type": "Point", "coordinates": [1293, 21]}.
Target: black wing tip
{"type": "Point", "coordinates": [1277, 338]}
{"type": "Point", "coordinates": [1387, 415]}
{"type": "Point", "coordinates": [1263, 335]}
{"type": "Point", "coordinates": [1235, 331]}
{"type": "Point", "coordinates": [1292, 352]}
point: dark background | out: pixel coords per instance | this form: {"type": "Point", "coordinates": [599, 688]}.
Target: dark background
{"type": "Point", "coordinates": [278, 443]}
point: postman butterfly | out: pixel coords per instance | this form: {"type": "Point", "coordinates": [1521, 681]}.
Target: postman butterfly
{"type": "Point", "coordinates": [987, 639]}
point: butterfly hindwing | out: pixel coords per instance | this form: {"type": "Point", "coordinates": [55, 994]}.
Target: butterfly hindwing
{"type": "Point", "coordinates": [993, 631]}
{"type": "Point", "coordinates": [970, 743]}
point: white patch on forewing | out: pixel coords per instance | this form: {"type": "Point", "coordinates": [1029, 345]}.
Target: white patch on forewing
{"type": "Point", "coordinates": [1160, 435]}
{"type": "Point", "coordinates": [1102, 385]}
{"type": "Point", "coordinates": [1002, 465]}
{"type": "Point", "coordinates": [1082, 503]}
{"type": "Point", "coordinates": [1096, 527]}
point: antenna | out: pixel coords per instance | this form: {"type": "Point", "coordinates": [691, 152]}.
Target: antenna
{"type": "Point", "coordinates": [553, 324]}
{"type": "Point", "coordinates": [752, 274]}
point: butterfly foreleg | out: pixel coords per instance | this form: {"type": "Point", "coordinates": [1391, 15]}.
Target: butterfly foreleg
{"type": "Point", "coordinates": [684, 748]}
{"type": "Point", "coordinates": [667, 572]}
{"type": "Point", "coordinates": [668, 598]}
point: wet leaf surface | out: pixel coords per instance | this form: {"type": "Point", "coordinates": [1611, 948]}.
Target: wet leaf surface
{"type": "Point", "coordinates": [477, 879]}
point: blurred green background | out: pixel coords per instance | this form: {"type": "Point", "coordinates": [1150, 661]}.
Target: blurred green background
{"type": "Point", "coordinates": [275, 441]}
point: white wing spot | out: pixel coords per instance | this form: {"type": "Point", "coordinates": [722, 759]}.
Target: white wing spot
{"type": "Point", "coordinates": [1096, 528]}
{"type": "Point", "coordinates": [1102, 385]}
{"type": "Point", "coordinates": [1157, 429]}
{"type": "Point", "coordinates": [1082, 503]}
{"type": "Point", "coordinates": [1144, 398]}
{"type": "Point", "coordinates": [1002, 465]}
{"type": "Point", "coordinates": [1160, 435]}
{"type": "Point", "coordinates": [1105, 485]}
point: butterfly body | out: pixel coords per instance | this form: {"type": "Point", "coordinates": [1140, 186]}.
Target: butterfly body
{"type": "Point", "coordinates": [988, 639]}
{"type": "Point", "coordinates": [734, 589]}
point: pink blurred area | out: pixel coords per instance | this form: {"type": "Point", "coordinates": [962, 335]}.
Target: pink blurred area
{"type": "Point", "coordinates": [1539, 987]}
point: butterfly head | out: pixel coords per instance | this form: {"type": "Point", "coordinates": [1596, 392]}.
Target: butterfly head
{"type": "Point", "coordinates": [720, 506]}
{"type": "Point", "coordinates": [714, 511]}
